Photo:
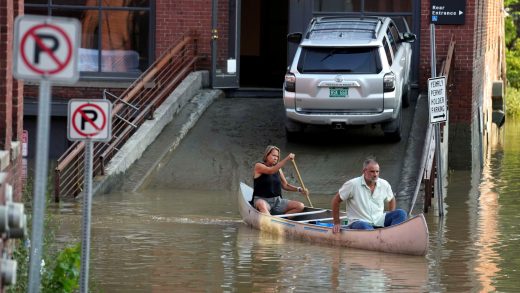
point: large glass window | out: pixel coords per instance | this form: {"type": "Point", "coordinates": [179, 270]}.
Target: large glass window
{"type": "Point", "coordinates": [397, 9]}
{"type": "Point", "coordinates": [337, 6]}
{"type": "Point", "coordinates": [366, 6]}
{"type": "Point", "coordinates": [115, 34]}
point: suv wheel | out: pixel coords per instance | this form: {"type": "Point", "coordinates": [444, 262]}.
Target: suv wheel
{"type": "Point", "coordinates": [293, 130]}
{"type": "Point", "coordinates": [407, 93]}
{"type": "Point", "coordinates": [392, 129]}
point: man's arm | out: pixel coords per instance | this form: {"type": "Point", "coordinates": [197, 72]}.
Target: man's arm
{"type": "Point", "coordinates": [392, 204]}
{"type": "Point", "coordinates": [336, 202]}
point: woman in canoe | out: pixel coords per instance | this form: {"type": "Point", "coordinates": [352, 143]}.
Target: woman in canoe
{"type": "Point", "coordinates": [268, 183]}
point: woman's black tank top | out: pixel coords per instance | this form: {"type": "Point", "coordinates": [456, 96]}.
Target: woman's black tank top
{"type": "Point", "coordinates": [268, 185]}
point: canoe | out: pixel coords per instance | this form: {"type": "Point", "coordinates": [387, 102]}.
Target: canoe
{"type": "Point", "coordinates": [315, 225]}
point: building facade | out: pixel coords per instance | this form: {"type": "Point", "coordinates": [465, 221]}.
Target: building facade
{"type": "Point", "coordinates": [244, 46]}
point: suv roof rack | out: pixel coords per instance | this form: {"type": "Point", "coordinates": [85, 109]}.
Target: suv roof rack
{"type": "Point", "coordinates": [345, 24]}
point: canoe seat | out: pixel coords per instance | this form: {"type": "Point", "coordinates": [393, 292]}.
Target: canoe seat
{"type": "Point", "coordinates": [300, 214]}
{"type": "Point", "coordinates": [323, 219]}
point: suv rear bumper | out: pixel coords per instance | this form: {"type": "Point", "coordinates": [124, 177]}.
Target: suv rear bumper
{"type": "Point", "coordinates": [347, 119]}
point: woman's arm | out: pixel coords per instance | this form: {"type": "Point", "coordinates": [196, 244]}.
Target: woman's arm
{"type": "Point", "coordinates": [286, 185]}
{"type": "Point", "coordinates": [264, 169]}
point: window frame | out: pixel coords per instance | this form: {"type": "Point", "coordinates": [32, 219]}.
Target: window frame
{"type": "Point", "coordinates": [388, 51]}
{"type": "Point", "coordinates": [100, 75]}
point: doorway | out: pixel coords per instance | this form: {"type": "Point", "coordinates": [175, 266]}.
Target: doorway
{"type": "Point", "coordinates": [263, 43]}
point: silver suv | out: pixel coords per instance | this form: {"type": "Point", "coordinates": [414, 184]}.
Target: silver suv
{"type": "Point", "coordinates": [349, 71]}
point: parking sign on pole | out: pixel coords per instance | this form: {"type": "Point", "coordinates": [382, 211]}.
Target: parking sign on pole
{"type": "Point", "coordinates": [89, 120]}
{"type": "Point", "coordinates": [46, 48]}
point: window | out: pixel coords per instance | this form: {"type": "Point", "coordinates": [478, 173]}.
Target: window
{"type": "Point", "coordinates": [115, 35]}
{"type": "Point", "coordinates": [367, 6]}
{"type": "Point", "coordinates": [387, 51]}
{"type": "Point", "coordinates": [395, 36]}
{"type": "Point", "coordinates": [391, 40]}
{"type": "Point", "coordinates": [340, 60]}
{"type": "Point", "coordinates": [334, 5]}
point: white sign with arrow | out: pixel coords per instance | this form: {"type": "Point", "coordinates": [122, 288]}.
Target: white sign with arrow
{"type": "Point", "coordinates": [437, 99]}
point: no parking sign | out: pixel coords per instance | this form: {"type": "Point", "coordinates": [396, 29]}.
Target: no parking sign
{"type": "Point", "coordinates": [89, 120]}
{"type": "Point", "coordinates": [46, 48]}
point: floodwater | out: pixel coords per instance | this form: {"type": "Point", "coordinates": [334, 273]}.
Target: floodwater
{"type": "Point", "coordinates": [191, 240]}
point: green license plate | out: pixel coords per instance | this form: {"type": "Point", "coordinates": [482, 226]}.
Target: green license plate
{"type": "Point", "coordinates": [335, 92]}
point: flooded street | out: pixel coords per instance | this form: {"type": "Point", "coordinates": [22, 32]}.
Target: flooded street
{"type": "Point", "coordinates": [174, 235]}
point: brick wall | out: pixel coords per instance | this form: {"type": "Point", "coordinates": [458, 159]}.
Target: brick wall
{"type": "Point", "coordinates": [174, 18]}
{"type": "Point", "coordinates": [11, 112]}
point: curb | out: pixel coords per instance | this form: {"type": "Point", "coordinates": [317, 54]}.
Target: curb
{"type": "Point", "coordinates": [412, 159]}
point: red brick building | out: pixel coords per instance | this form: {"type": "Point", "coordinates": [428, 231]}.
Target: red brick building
{"type": "Point", "coordinates": [479, 76]}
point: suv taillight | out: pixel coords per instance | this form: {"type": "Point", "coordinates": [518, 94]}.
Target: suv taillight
{"type": "Point", "coordinates": [290, 82]}
{"type": "Point", "coordinates": [389, 82]}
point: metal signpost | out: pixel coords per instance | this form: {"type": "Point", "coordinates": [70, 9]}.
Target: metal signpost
{"type": "Point", "coordinates": [45, 50]}
{"type": "Point", "coordinates": [88, 120]}
{"type": "Point", "coordinates": [438, 113]}
{"type": "Point", "coordinates": [442, 12]}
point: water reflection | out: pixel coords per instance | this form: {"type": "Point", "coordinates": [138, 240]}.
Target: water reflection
{"type": "Point", "coordinates": [474, 248]}
{"type": "Point", "coordinates": [168, 241]}
{"type": "Point", "coordinates": [284, 265]}
{"type": "Point", "coordinates": [194, 241]}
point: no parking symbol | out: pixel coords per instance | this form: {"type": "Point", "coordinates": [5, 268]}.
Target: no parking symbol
{"type": "Point", "coordinates": [46, 48]}
{"type": "Point", "coordinates": [89, 120]}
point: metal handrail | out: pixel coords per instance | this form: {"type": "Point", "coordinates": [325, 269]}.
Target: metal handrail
{"type": "Point", "coordinates": [130, 110]}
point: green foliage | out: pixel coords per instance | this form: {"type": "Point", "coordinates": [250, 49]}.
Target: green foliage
{"type": "Point", "coordinates": [511, 3]}
{"type": "Point", "coordinates": [513, 102]}
{"type": "Point", "coordinates": [513, 67]}
{"type": "Point", "coordinates": [64, 277]}
{"type": "Point", "coordinates": [512, 25]}
{"type": "Point", "coordinates": [21, 255]}
{"type": "Point", "coordinates": [60, 269]}
{"type": "Point", "coordinates": [510, 30]}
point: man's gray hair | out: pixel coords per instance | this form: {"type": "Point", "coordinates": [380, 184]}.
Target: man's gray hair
{"type": "Point", "coordinates": [369, 161]}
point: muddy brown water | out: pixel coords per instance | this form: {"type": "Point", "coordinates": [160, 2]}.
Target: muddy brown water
{"type": "Point", "coordinates": [181, 232]}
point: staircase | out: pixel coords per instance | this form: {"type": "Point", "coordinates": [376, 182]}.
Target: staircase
{"type": "Point", "coordinates": [129, 111]}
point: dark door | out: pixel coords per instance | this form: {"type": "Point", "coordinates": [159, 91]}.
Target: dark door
{"type": "Point", "coordinates": [263, 43]}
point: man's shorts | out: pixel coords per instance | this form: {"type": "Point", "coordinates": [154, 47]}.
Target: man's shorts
{"type": "Point", "coordinates": [276, 205]}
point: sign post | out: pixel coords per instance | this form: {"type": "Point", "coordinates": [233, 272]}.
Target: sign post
{"type": "Point", "coordinates": [88, 120]}
{"type": "Point", "coordinates": [438, 114]}
{"type": "Point", "coordinates": [45, 50]}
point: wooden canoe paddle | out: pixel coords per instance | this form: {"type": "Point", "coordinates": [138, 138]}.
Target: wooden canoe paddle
{"type": "Point", "coordinates": [301, 182]}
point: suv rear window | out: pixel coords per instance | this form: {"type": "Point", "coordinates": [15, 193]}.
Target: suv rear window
{"type": "Point", "coordinates": [340, 60]}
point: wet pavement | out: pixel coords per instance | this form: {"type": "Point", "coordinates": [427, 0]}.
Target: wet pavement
{"type": "Point", "coordinates": [220, 150]}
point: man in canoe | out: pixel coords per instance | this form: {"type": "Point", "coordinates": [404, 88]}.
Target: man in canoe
{"type": "Point", "coordinates": [365, 197]}
{"type": "Point", "coordinates": [268, 183]}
